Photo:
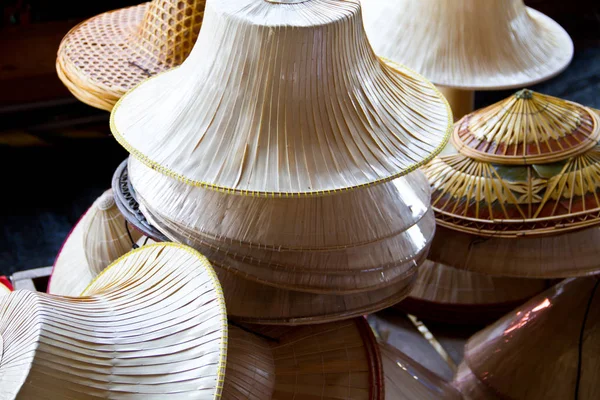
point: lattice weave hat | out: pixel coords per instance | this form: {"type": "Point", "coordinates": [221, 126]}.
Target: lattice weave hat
{"type": "Point", "coordinates": [103, 57]}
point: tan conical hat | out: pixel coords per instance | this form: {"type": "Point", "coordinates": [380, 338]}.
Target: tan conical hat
{"type": "Point", "coordinates": [405, 379]}
{"type": "Point", "coordinates": [450, 295]}
{"type": "Point", "coordinates": [100, 237]}
{"type": "Point", "coordinates": [105, 56]}
{"type": "Point", "coordinates": [527, 168]}
{"type": "Point", "coordinates": [251, 111]}
{"type": "Point", "coordinates": [327, 361]}
{"type": "Point", "coordinates": [469, 44]}
{"type": "Point", "coordinates": [152, 325]}
{"type": "Point", "coordinates": [548, 348]}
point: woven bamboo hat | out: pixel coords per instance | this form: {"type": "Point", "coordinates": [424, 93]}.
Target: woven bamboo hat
{"type": "Point", "coordinates": [152, 325]}
{"type": "Point", "coordinates": [252, 112]}
{"type": "Point", "coordinates": [100, 237]}
{"type": "Point", "coordinates": [103, 57]}
{"type": "Point", "coordinates": [450, 295]}
{"type": "Point", "coordinates": [526, 167]}
{"type": "Point", "coordinates": [546, 349]}
{"type": "Point", "coordinates": [470, 44]}
{"type": "Point", "coordinates": [405, 379]}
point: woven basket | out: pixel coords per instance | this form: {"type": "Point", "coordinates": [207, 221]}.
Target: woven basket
{"type": "Point", "coordinates": [103, 57]}
{"type": "Point", "coordinates": [454, 296]}
{"type": "Point", "coordinates": [152, 325]}
{"type": "Point", "coordinates": [99, 238]}
{"type": "Point", "coordinates": [545, 349]}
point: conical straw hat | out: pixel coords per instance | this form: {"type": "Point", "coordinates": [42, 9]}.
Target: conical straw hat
{"type": "Point", "coordinates": [450, 295]}
{"type": "Point", "coordinates": [469, 44]}
{"type": "Point", "coordinates": [153, 325]}
{"type": "Point", "coordinates": [346, 219]}
{"type": "Point", "coordinates": [405, 379]}
{"type": "Point", "coordinates": [100, 237]}
{"type": "Point", "coordinates": [327, 361]}
{"type": "Point", "coordinates": [482, 191]}
{"type": "Point", "coordinates": [251, 111]}
{"type": "Point", "coordinates": [316, 278]}
{"type": "Point", "coordinates": [546, 349]}
{"type": "Point", "coordinates": [103, 57]}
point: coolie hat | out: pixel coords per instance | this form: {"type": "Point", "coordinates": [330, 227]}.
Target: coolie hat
{"type": "Point", "coordinates": [516, 194]}
{"type": "Point", "coordinates": [99, 238]}
{"type": "Point", "coordinates": [103, 57]}
{"type": "Point", "coordinates": [545, 349]}
{"type": "Point", "coordinates": [469, 44]}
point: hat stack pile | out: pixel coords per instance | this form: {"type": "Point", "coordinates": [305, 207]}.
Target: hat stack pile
{"type": "Point", "coordinates": [516, 196]}
{"type": "Point", "coordinates": [103, 57]}
{"type": "Point", "coordinates": [293, 168]}
{"type": "Point", "coordinates": [467, 45]}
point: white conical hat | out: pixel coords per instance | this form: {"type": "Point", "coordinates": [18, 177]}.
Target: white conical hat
{"type": "Point", "coordinates": [4, 288]}
{"type": "Point", "coordinates": [100, 237]}
{"type": "Point", "coordinates": [469, 44]}
{"type": "Point", "coordinates": [283, 98]}
{"type": "Point", "coordinates": [545, 349]}
{"type": "Point", "coordinates": [151, 326]}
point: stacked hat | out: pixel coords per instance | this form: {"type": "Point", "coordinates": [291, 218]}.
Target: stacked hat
{"type": "Point", "coordinates": [546, 349]}
{"type": "Point", "coordinates": [153, 324]}
{"type": "Point", "coordinates": [99, 238]}
{"type": "Point", "coordinates": [520, 197]}
{"type": "Point", "coordinates": [293, 168]}
{"type": "Point", "coordinates": [103, 57]}
{"type": "Point", "coordinates": [446, 294]}
{"type": "Point", "coordinates": [466, 45]}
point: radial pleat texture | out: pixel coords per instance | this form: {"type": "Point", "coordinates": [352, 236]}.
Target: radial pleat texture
{"type": "Point", "coordinates": [548, 348]}
{"type": "Point", "coordinates": [103, 57]}
{"type": "Point", "coordinates": [469, 44]}
{"type": "Point", "coordinates": [100, 237]}
{"type": "Point", "coordinates": [406, 379]}
{"type": "Point", "coordinates": [152, 325]}
{"type": "Point", "coordinates": [251, 111]}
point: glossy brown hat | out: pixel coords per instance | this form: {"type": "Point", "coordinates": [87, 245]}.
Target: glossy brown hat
{"type": "Point", "coordinates": [545, 349]}
{"type": "Point", "coordinates": [455, 296]}
{"type": "Point", "coordinates": [105, 56]}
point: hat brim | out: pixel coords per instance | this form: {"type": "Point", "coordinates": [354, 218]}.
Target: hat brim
{"type": "Point", "coordinates": [98, 60]}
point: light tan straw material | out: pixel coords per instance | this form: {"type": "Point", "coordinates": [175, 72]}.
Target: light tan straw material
{"type": "Point", "coordinates": [103, 57]}
{"type": "Point", "coordinates": [152, 326]}
{"type": "Point", "coordinates": [99, 238]}
{"type": "Point", "coordinates": [405, 379]}
{"type": "Point", "coordinates": [251, 111]}
{"type": "Point", "coordinates": [546, 349]}
{"type": "Point", "coordinates": [469, 44]}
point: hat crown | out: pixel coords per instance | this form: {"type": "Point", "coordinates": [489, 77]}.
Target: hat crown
{"type": "Point", "coordinates": [527, 128]}
{"type": "Point", "coordinates": [170, 29]}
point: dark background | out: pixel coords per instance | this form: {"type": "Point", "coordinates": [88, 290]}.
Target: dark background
{"type": "Point", "coordinates": [57, 156]}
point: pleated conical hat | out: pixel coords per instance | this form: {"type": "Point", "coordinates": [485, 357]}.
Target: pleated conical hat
{"type": "Point", "coordinates": [151, 326]}
{"type": "Point", "coordinates": [251, 111]}
{"type": "Point", "coordinates": [346, 219]}
{"type": "Point", "coordinates": [469, 44]}
{"type": "Point", "coordinates": [100, 237]}
{"type": "Point", "coordinates": [546, 349]}
{"type": "Point", "coordinates": [327, 361]}
{"type": "Point", "coordinates": [102, 58]}
{"type": "Point", "coordinates": [450, 295]}
{"type": "Point", "coordinates": [406, 379]}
